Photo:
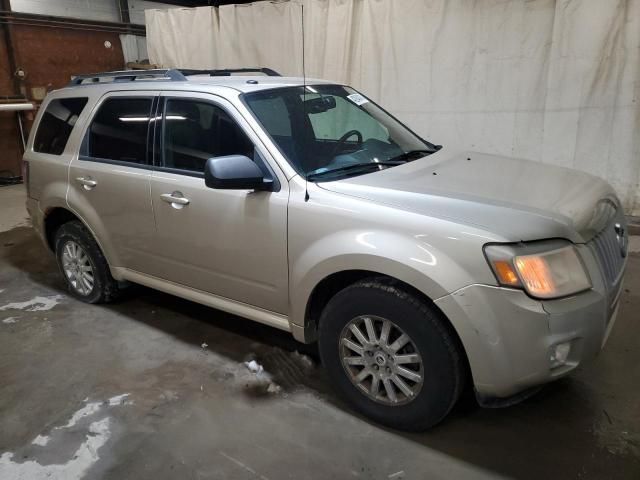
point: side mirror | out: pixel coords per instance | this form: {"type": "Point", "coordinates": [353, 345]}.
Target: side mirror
{"type": "Point", "coordinates": [235, 172]}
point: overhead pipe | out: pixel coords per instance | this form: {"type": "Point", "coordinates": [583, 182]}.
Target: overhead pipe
{"type": "Point", "coordinates": [16, 107]}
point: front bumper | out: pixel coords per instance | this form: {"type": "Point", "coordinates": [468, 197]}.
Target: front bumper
{"type": "Point", "coordinates": [509, 337]}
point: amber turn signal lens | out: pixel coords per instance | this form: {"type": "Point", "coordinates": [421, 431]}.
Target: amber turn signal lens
{"type": "Point", "coordinates": [505, 272]}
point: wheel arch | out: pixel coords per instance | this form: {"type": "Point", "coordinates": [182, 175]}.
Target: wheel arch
{"type": "Point", "coordinates": [57, 216]}
{"type": "Point", "coordinates": [337, 281]}
{"type": "Point", "coordinates": [54, 218]}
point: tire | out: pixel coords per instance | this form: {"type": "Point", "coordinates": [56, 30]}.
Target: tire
{"type": "Point", "coordinates": [74, 237]}
{"type": "Point", "coordinates": [439, 362]}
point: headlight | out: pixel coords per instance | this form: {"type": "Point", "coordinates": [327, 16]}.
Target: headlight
{"type": "Point", "coordinates": [548, 269]}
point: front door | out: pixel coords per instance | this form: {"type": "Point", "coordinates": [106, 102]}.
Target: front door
{"type": "Point", "coordinates": [232, 243]}
{"type": "Point", "coordinates": [109, 181]}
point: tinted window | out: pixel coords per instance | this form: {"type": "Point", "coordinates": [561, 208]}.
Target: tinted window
{"type": "Point", "coordinates": [56, 124]}
{"type": "Point", "coordinates": [119, 130]}
{"type": "Point", "coordinates": [333, 131]}
{"type": "Point", "coordinates": [333, 123]}
{"type": "Point", "coordinates": [196, 131]}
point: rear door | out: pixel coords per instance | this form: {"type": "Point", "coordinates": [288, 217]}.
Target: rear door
{"type": "Point", "coordinates": [109, 180]}
{"type": "Point", "coordinates": [232, 243]}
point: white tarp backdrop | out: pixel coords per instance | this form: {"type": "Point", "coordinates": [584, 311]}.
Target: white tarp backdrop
{"type": "Point", "coordinates": [555, 81]}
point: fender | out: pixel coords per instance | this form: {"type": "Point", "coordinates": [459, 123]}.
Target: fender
{"type": "Point", "coordinates": [423, 267]}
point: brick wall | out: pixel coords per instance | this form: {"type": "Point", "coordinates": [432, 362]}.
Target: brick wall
{"type": "Point", "coordinates": [49, 56]}
{"type": "Point", "coordinates": [10, 152]}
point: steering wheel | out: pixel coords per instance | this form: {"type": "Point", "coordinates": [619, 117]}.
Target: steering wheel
{"type": "Point", "coordinates": [344, 138]}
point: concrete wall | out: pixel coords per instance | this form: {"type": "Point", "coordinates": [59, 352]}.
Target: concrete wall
{"type": "Point", "coordinates": [102, 10]}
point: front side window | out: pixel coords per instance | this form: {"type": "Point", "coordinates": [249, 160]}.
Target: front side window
{"type": "Point", "coordinates": [119, 130]}
{"type": "Point", "coordinates": [57, 123]}
{"type": "Point", "coordinates": [328, 132]}
{"type": "Point", "coordinates": [195, 131]}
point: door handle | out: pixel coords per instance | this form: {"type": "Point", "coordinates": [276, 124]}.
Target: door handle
{"type": "Point", "coordinates": [87, 182]}
{"type": "Point", "coordinates": [176, 199]}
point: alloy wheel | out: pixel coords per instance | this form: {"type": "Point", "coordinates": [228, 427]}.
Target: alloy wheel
{"type": "Point", "coordinates": [381, 360]}
{"type": "Point", "coordinates": [77, 268]}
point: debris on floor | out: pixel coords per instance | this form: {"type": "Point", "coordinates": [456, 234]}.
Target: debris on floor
{"type": "Point", "coordinates": [36, 304]}
{"type": "Point", "coordinates": [303, 360]}
{"type": "Point", "coordinates": [254, 367]}
{"type": "Point", "coordinates": [261, 381]}
{"type": "Point", "coordinates": [10, 320]}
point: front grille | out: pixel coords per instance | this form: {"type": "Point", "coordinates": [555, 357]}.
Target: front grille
{"type": "Point", "coordinates": [610, 248]}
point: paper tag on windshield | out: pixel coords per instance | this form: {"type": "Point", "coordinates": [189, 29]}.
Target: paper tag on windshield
{"type": "Point", "coordinates": [357, 99]}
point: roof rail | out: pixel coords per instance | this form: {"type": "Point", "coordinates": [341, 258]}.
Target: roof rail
{"type": "Point", "coordinates": [128, 76]}
{"type": "Point", "coordinates": [225, 72]}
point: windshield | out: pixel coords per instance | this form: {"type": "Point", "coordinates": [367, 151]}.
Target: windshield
{"type": "Point", "coordinates": [328, 132]}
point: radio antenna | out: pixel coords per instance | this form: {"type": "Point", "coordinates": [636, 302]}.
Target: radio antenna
{"type": "Point", "coordinates": [304, 104]}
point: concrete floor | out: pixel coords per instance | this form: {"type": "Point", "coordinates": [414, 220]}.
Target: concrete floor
{"type": "Point", "coordinates": [155, 387]}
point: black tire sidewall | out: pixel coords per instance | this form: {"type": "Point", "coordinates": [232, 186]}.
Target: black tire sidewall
{"type": "Point", "coordinates": [76, 232]}
{"type": "Point", "coordinates": [441, 367]}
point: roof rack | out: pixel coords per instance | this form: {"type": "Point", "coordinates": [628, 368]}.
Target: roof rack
{"type": "Point", "coordinates": [174, 75]}
{"type": "Point", "coordinates": [128, 76]}
{"type": "Point", "coordinates": [225, 72]}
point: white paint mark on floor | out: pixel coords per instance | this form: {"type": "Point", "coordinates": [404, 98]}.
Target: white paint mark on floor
{"type": "Point", "coordinates": [98, 433]}
{"type": "Point", "coordinates": [36, 304]}
{"type": "Point", "coordinates": [75, 469]}
{"type": "Point", "coordinates": [10, 320]}
{"type": "Point", "coordinates": [2, 290]}
{"type": "Point", "coordinates": [242, 465]}
{"type": "Point", "coordinates": [119, 400]}
{"type": "Point", "coordinates": [89, 409]}
{"type": "Point", "coordinates": [41, 440]}
{"type": "Point", "coordinates": [93, 407]}
{"type": "Point", "coordinates": [634, 243]}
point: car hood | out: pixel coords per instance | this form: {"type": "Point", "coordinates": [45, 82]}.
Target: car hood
{"type": "Point", "coordinates": [520, 200]}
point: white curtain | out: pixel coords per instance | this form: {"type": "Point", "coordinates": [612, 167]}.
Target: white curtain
{"type": "Point", "coordinates": [556, 81]}
{"type": "Point", "coordinates": [183, 37]}
{"type": "Point", "coordinates": [134, 48]}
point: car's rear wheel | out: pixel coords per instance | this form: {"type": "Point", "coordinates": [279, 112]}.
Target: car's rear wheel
{"type": "Point", "coordinates": [82, 264]}
{"type": "Point", "coordinates": [391, 355]}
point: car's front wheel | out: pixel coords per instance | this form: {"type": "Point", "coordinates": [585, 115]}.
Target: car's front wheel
{"type": "Point", "coordinates": [390, 354]}
{"type": "Point", "coordinates": [83, 265]}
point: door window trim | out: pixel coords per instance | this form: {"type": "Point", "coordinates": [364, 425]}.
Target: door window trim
{"type": "Point", "coordinates": [84, 146]}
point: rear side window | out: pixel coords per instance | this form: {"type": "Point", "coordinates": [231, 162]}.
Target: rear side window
{"type": "Point", "coordinates": [57, 123]}
{"type": "Point", "coordinates": [119, 130]}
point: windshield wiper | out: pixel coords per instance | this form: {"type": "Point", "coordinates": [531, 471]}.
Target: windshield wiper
{"type": "Point", "coordinates": [413, 154]}
{"type": "Point", "coordinates": [390, 163]}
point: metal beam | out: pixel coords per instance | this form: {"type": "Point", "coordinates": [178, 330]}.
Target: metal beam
{"type": "Point", "coordinates": [17, 18]}
{"type": "Point", "coordinates": [11, 53]}
{"type": "Point", "coordinates": [123, 8]}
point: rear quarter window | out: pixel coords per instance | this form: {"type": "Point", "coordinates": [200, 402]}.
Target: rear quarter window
{"type": "Point", "coordinates": [57, 123]}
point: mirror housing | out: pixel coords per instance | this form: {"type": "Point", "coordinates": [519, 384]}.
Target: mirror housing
{"type": "Point", "coordinates": [319, 104]}
{"type": "Point", "coordinates": [235, 172]}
